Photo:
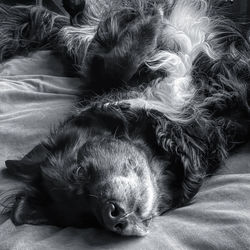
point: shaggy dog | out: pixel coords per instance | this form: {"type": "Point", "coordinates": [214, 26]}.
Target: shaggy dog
{"type": "Point", "coordinates": [168, 99]}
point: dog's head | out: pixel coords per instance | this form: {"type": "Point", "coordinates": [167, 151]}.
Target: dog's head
{"type": "Point", "coordinates": [99, 168]}
{"type": "Point", "coordinates": [89, 171]}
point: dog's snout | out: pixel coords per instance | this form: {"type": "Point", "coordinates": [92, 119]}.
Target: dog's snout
{"type": "Point", "coordinates": [114, 210]}
{"type": "Point", "coordinates": [113, 217]}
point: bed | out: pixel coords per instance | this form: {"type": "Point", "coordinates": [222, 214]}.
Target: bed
{"type": "Point", "coordinates": [36, 93]}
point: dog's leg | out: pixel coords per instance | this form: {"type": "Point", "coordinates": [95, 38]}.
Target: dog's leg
{"type": "Point", "coordinates": [74, 39]}
{"type": "Point", "coordinates": [25, 28]}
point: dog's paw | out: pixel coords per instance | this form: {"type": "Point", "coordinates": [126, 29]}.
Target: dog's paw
{"type": "Point", "coordinates": [13, 28]}
{"type": "Point", "coordinates": [73, 7]}
{"type": "Point", "coordinates": [26, 28]}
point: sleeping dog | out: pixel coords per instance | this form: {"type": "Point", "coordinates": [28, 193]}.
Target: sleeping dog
{"type": "Point", "coordinates": [168, 98]}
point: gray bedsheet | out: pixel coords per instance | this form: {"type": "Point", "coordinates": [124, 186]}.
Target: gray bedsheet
{"type": "Point", "coordinates": [36, 94]}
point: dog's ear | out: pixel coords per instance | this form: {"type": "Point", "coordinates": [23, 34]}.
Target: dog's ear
{"type": "Point", "coordinates": [28, 168]}
{"type": "Point", "coordinates": [186, 148]}
{"type": "Point", "coordinates": [27, 212]}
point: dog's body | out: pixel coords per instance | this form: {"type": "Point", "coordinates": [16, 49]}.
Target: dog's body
{"type": "Point", "coordinates": [173, 84]}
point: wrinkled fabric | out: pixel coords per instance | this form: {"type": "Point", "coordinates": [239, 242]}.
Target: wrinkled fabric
{"type": "Point", "coordinates": [36, 93]}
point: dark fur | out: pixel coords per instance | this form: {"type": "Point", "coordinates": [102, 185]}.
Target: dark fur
{"type": "Point", "coordinates": [119, 164]}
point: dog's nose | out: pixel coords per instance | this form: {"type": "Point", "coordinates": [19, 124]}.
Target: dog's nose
{"type": "Point", "coordinates": [113, 217]}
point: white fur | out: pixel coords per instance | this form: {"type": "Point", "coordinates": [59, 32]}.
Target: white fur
{"type": "Point", "coordinates": [83, 35]}
{"type": "Point", "coordinates": [186, 29]}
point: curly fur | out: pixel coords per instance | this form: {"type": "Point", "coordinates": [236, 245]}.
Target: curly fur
{"type": "Point", "coordinates": [171, 83]}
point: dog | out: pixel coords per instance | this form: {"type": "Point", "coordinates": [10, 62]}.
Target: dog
{"type": "Point", "coordinates": [168, 99]}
